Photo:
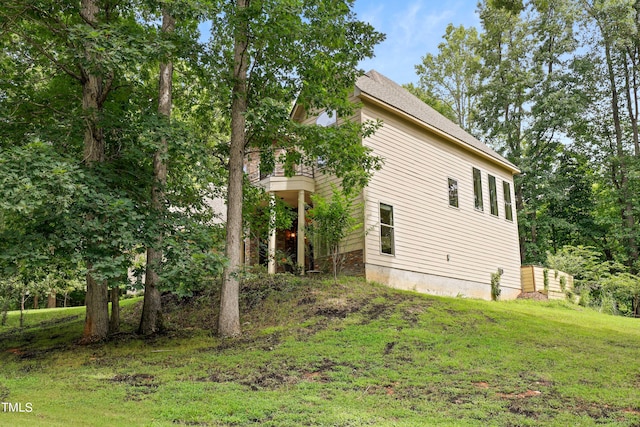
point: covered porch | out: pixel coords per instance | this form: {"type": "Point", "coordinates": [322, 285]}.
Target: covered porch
{"type": "Point", "coordinates": [290, 249]}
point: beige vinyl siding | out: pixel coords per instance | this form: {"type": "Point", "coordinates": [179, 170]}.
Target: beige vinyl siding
{"type": "Point", "coordinates": [414, 180]}
{"type": "Point", "coordinates": [355, 240]}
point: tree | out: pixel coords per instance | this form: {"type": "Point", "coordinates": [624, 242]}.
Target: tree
{"type": "Point", "coordinates": [332, 221]}
{"type": "Point", "coordinates": [452, 75]}
{"type": "Point", "coordinates": [269, 54]}
{"type": "Point", "coordinates": [562, 105]}
{"type": "Point", "coordinates": [93, 159]}
{"type": "Point", "coordinates": [151, 318]}
{"type": "Point", "coordinates": [431, 100]}
{"type": "Point", "coordinates": [616, 45]}
{"type": "Point", "coordinates": [528, 100]}
{"type": "Point", "coordinates": [69, 53]}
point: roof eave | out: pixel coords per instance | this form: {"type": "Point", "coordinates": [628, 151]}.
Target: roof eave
{"type": "Point", "coordinates": [504, 163]}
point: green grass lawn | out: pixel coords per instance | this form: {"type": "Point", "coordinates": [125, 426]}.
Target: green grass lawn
{"type": "Point", "coordinates": [318, 354]}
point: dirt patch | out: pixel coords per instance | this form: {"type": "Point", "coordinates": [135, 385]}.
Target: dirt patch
{"type": "Point", "coordinates": [411, 315]}
{"type": "Point", "coordinates": [35, 354]}
{"type": "Point", "coordinates": [53, 322]}
{"type": "Point", "coordinates": [537, 296]}
{"type": "Point", "coordinates": [307, 300]}
{"type": "Point", "coordinates": [601, 413]}
{"type": "Point", "coordinates": [520, 407]}
{"type": "Point", "coordinates": [4, 393]}
{"type": "Point", "coordinates": [269, 380]}
{"type": "Point", "coordinates": [190, 423]}
{"type": "Point", "coordinates": [413, 392]}
{"type": "Point", "coordinates": [276, 375]}
{"type": "Point", "coordinates": [389, 347]}
{"type": "Point", "coordinates": [337, 308]}
{"type": "Point", "coordinates": [136, 380]}
{"type": "Point", "coordinates": [525, 395]}
{"type": "Point", "coordinates": [138, 385]}
{"type": "Point", "coordinates": [375, 312]}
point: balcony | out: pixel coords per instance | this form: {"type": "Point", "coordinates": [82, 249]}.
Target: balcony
{"type": "Point", "coordinates": [256, 175]}
{"type": "Point", "coordinates": [302, 179]}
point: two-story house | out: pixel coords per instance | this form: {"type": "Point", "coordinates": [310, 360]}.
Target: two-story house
{"type": "Point", "coordinates": [439, 217]}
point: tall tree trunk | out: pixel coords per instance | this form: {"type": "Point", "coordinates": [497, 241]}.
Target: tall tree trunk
{"type": "Point", "coordinates": [96, 323]}
{"type": "Point", "coordinates": [631, 89]}
{"type": "Point", "coordinates": [23, 299]}
{"type": "Point", "coordinates": [626, 204]}
{"type": "Point", "coordinates": [96, 326]}
{"type": "Point", "coordinates": [51, 300]}
{"type": "Point", "coordinates": [151, 319]}
{"type": "Point", "coordinates": [114, 321]}
{"type": "Point", "coordinates": [229, 318]}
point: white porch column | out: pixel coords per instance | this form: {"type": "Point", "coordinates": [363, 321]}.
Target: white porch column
{"type": "Point", "coordinates": [301, 224]}
{"type": "Point", "coordinates": [271, 268]}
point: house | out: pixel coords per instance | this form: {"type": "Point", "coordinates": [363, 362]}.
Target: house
{"type": "Point", "coordinates": [438, 217]}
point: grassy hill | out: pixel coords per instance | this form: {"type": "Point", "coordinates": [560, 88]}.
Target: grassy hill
{"type": "Point", "coordinates": [318, 354]}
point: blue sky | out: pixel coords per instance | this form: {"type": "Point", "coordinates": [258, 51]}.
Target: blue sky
{"type": "Point", "coordinates": [413, 28]}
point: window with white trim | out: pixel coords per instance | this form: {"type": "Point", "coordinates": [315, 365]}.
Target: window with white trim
{"type": "Point", "coordinates": [508, 207]}
{"type": "Point", "coordinates": [453, 192]}
{"type": "Point", "coordinates": [387, 239]}
{"type": "Point", "coordinates": [493, 195]}
{"type": "Point", "coordinates": [477, 189]}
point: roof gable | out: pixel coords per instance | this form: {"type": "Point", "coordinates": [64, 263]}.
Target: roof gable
{"type": "Point", "coordinates": [375, 85]}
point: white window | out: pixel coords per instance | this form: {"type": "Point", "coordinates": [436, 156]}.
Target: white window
{"type": "Point", "coordinates": [453, 192]}
{"type": "Point", "coordinates": [493, 195]}
{"type": "Point", "coordinates": [508, 209]}
{"type": "Point", "coordinates": [477, 189]}
{"type": "Point", "coordinates": [327, 118]}
{"type": "Point", "coordinates": [387, 244]}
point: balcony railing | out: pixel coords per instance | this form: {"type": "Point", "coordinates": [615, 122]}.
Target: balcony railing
{"type": "Point", "coordinates": [300, 170]}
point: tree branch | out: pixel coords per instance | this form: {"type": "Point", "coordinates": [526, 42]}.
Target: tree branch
{"type": "Point", "coordinates": [51, 58]}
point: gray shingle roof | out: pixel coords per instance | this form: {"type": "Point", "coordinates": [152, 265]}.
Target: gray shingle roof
{"type": "Point", "coordinates": [389, 92]}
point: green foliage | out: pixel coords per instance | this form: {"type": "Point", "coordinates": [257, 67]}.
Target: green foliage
{"type": "Point", "coordinates": [582, 262]}
{"type": "Point", "coordinates": [54, 211]}
{"type": "Point", "coordinates": [332, 221]}
{"type": "Point", "coordinates": [600, 284]}
{"type": "Point", "coordinates": [431, 100]}
{"type": "Point", "coordinates": [545, 280]}
{"type": "Point", "coordinates": [563, 283]}
{"type": "Point", "coordinates": [495, 285]}
{"type": "Point", "coordinates": [452, 77]}
{"type": "Point", "coordinates": [193, 258]}
{"type": "Point", "coordinates": [624, 290]}
{"type": "Point", "coordinates": [262, 214]}
{"type": "Point", "coordinates": [304, 54]}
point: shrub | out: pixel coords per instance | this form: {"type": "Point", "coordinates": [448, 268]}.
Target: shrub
{"type": "Point", "coordinates": [495, 285]}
